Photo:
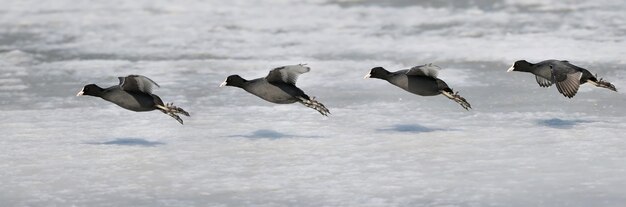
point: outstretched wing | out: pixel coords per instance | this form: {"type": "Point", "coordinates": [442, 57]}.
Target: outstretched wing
{"type": "Point", "coordinates": [137, 83]}
{"type": "Point", "coordinates": [543, 82]}
{"type": "Point", "coordinates": [429, 70]}
{"type": "Point", "coordinates": [287, 74]}
{"type": "Point", "coordinates": [567, 83]}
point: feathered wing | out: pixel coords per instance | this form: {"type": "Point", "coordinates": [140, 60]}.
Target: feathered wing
{"type": "Point", "coordinates": [429, 70]}
{"type": "Point", "coordinates": [137, 83]}
{"type": "Point", "coordinates": [287, 74]}
{"type": "Point", "coordinates": [567, 83]}
{"type": "Point", "coordinates": [568, 64]}
{"type": "Point", "coordinates": [543, 82]}
{"type": "Point", "coordinates": [599, 82]}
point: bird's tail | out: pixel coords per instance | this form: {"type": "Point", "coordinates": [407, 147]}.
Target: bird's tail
{"type": "Point", "coordinates": [314, 104]}
{"type": "Point", "coordinates": [457, 98]}
{"type": "Point", "coordinates": [173, 111]}
{"type": "Point", "coordinates": [603, 84]}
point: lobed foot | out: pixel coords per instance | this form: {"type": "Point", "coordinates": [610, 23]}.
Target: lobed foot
{"type": "Point", "coordinates": [172, 111]}
{"type": "Point", "coordinates": [457, 98]}
{"type": "Point", "coordinates": [314, 104]}
{"type": "Point", "coordinates": [604, 84]}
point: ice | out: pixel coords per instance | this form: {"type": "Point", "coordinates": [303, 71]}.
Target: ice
{"type": "Point", "coordinates": [521, 145]}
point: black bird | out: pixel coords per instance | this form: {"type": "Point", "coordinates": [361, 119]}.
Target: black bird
{"type": "Point", "coordinates": [565, 75]}
{"type": "Point", "coordinates": [279, 86]}
{"type": "Point", "coordinates": [134, 93]}
{"type": "Point", "coordinates": [421, 80]}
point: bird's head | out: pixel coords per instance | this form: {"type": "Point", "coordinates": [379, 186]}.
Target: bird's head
{"type": "Point", "coordinates": [520, 65]}
{"type": "Point", "coordinates": [233, 80]}
{"type": "Point", "coordinates": [377, 72]}
{"type": "Point", "coordinates": [90, 90]}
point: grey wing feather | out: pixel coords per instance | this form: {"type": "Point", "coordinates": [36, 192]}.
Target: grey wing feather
{"type": "Point", "coordinates": [429, 70]}
{"type": "Point", "coordinates": [568, 64]}
{"type": "Point", "coordinates": [137, 83]}
{"type": "Point", "coordinates": [401, 71]}
{"type": "Point", "coordinates": [543, 82]}
{"type": "Point", "coordinates": [287, 74]}
{"type": "Point", "coordinates": [568, 84]}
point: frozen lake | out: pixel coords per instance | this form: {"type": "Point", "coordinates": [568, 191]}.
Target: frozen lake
{"type": "Point", "coordinates": [521, 145]}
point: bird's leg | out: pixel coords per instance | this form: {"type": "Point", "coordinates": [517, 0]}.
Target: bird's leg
{"type": "Point", "coordinates": [170, 108]}
{"type": "Point", "coordinates": [603, 84]}
{"type": "Point", "coordinates": [457, 98]}
{"type": "Point", "coordinates": [173, 115]}
{"type": "Point", "coordinates": [312, 103]}
{"type": "Point", "coordinates": [172, 111]}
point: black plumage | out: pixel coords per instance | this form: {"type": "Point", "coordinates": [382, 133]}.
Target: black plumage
{"type": "Point", "coordinates": [421, 80]}
{"type": "Point", "coordinates": [279, 86]}
{"type": "Point", "coordinates": [134, 93]}
{"type": "Point", "coordinates": [566, 76]}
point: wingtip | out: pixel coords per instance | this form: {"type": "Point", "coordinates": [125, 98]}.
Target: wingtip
{"type": "Point", "coordinates": [433, 66]}
{"type": "Point", "coordinates": [306, 68]}
{"type": "Point", "coordinates": [568, 95]}
{"type": "Point", "coordinates": [301, 65]}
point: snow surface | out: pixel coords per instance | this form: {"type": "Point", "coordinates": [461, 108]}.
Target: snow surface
{"type": "Point", "coordinates": [521, 145]}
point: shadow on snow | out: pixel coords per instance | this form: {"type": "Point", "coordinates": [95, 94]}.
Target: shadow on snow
{"type": "Point", "coordinates": [409, 128]}
{"type": "Point", "coordinates": [560, 123]}
{"type": "Point", "coordinates": [129, 142]}
{"type": "Point", "coordinates": [270, 134]}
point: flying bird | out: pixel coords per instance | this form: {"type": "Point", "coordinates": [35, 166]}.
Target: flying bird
{"type": "Point", "coordinates": [421, 80]}
{"type": "Point", "coordinates": [279, 87]}
{"type": "Point", "coordinates": [134, 93]}
{"type": "Point", "coordinates": [566, 76]}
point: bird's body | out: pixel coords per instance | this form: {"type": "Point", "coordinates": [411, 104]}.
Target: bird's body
{"type": "Point", "coordinates": [279, 87]}
{"type": "Point", "coordinates": [280, 93]}
{"type": "Point", "coordinates": [133, 101]}
{"type": "Point", "coordinates": [420, 80]}
{"type": "Point", "coordinates": [419, 85]}
{"type": "Point", "coordinates": [134, 93]}
{"type": "Point", "coordinates": [566, 76]}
